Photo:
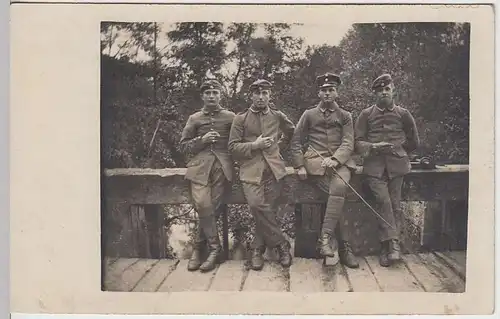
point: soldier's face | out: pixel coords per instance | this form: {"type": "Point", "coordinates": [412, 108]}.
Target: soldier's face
{"type": "Point", "coordinates": [384, 94]}
{"type": "Point", "coordinates": [211, 97]}
{"type": "Point", "coordinates": [261, 98]}
{"type": "Point", "coordinates": [328, 94]}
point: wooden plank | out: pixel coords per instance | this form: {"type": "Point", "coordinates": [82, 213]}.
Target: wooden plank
{"type": "Point", "coordinates": [181, 171]}
{"type": "Point", "coordinates": [183, 280]}
{"type": "Point", "coordinates": [460, 256]}
{"type": "Point", "coordinates": [362, 278]}
{"type": "Point", "coordinates": [425, 276]}
{"type": "Point", "coordinates": [229, 276]}
{"type": "Point", "coordinates": [306, 275]}
{"type": "Point", "coordinates": [113, 274]}
{"type": "Point", "coordinates": [134, 273]}
{"type": "Point", "coordinates": [395, 278]}
{"type": "Point", "coordinates": [334, 278]}
{"type": "Point", "coordinates": [108, 261]}
{"type": "Point", "coordinates": [156, 275]}
{"type": "Point", "coordinates": [449, 279]}
{"type": "Point", "coordinates": [458, 268]}
{"type": "Point", "coordinates": [271, 278]}
{"type": "Point", "coordinates": [168, 186]}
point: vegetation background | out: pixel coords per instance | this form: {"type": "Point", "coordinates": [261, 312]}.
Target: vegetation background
{"type": "Point", "coordinates": [151, 74]}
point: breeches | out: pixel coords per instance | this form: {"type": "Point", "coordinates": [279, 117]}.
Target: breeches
{"type": "Point", "coordinates": [263, 202]}
{"type": "Point", "coordinates": [207, 200]}
{"type": "Point", "coordinates": [387, 193]}
{"type": "Point", "coordinates": [332, 184]}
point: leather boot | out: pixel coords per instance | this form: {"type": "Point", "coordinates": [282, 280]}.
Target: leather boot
{"type": "Point", "coordinates": [214, 255]}
{"type": "Point", "coordinates": [326, 249]}
{"type": "Point", "coordinates": [346, 255]}
{"type": "Point", "coordinates": [285, 257]}
{"type": "Point", "coordinates": [257, 260]}
{"type": "Point", "coordinates": [394, 253]}
{"type": "Point", "coordinates": [383, 258]}
{"type": "Point", "coordinates": [195, 260]}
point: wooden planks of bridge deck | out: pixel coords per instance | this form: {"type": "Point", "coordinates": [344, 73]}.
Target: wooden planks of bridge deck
{"type": "Point", "coordinates": [431, 272]}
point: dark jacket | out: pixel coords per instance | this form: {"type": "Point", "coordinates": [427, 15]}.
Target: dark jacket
{"type": "Point", "coordinates": [330, 132]}
{"type": "Point", "coordinates": [395, 126]}
{"type": "Point", "coordinates": [247, 126]}
{"type": "Point", "coordinates": [203, 155]}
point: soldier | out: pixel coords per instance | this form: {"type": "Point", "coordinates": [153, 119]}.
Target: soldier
{"type": "Point", "coordinates": [254, 143]}
{"type": "Point", "coordinates": [385, 134]}
{"type": "Point", "coordinates": [210, 171]}
{"type": "Point", "coordinates": [328, 133]}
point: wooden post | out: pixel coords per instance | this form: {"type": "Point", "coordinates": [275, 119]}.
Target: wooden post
{"type": "Point", "coordinates": [225, 232]}
{"type": "Point", "coordinates": [155, 231]}
{"type": "Point", "coordinates": [308, 232]}
{"type": "Point", "coordinates": [298, 225]}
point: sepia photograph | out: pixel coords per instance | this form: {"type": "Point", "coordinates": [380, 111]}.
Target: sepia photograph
{"type": "Point", "coordinates": [284, 157]}
{"type": "Point", "coordinates": [252, 159]}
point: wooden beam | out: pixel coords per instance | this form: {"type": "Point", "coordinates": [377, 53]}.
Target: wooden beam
{"type": "Point", "coordinates": [168, 186]}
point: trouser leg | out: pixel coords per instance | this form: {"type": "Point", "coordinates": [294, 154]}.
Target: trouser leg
{"type": "Point", "coordinates": [207, 201]}
{"type": "Point", "coordinates": [395, 185]}
{"type": "Point", "coordinates": [259, 197]}
{"type": "Point", "coordinates": [380, 190]}
{"type": "Point", "coordinates": [332, 185]}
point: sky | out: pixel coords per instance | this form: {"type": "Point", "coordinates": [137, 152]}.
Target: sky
{"type": "Point", "coordinates": [313, 34]}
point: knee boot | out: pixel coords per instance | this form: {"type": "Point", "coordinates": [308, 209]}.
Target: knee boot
{"type": "Point", "coordinates": [285, 257]}
{"type": "Point", "coordinates": [326, 249]}
{"type": "Point", "coordinates": [394, 253]}
{"type": "Point", "coordinates": [257, 260]}
{"type": "Point", "coordinates": [384, 252]}
{"type": "Point", "coordinates": [214, 254]}
{"type": "Point", "coordinates": [196, 257]}
{"type": "Point", "coordinates": [346, 255]}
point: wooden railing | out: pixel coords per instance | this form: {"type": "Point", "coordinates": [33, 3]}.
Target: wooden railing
{"type": "Point", "coordinates": [442, 194]}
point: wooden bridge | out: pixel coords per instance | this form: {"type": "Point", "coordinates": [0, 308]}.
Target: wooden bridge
{"type": "Point", "coordinates": [424, 272]}
{"type": "Point", "coordinates": [435, 259]}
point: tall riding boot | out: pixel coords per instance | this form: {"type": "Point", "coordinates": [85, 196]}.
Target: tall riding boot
{"type": "Point", "coordinates": [346, 255]}
{"type": "Point", "coordinates": [384, 252]}
{"type": "Point", "coordinates": [257, 258]}
{"type": "Point", "coordinates": [214, 254]}
{"type": "Point", "coordinates": [285, 257]}
{"type": "Point", "coordinates": [394, 253]}
{"type": "Point", "coordinates": [326, 249]}
{"type": "Point", "coordinates": [196, 257]}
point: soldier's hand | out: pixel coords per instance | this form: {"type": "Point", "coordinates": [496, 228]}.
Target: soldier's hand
{"type": "Point", "coordinates": [382, 146]}
{"type": "Point", "coordinates": [210, 137]}
{"type": "Point", "coordinates": [263, 142]}
{"type": "Point", "coordinates": [302, 173]}
{"type": "Point", "coordinates": [329, 162]}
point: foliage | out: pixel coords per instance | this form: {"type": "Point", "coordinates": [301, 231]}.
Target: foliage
{"type": "Point", "coordinates": [148, 90]}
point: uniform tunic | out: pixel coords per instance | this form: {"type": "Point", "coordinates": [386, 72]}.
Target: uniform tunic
{"type": "Point", "coordinates": [210, 168]}
{"type": "Point", "coordinates": [330, 132]}
{"type": "Point", "coordinates": [262, 170]}
{"type": "Point", "coordinates": [384, 171]}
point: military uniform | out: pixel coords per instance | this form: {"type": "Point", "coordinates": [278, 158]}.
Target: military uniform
{"type": "Point", "coordinates": [261, 171]}
{"type": "Point", "coordinates": [327, 130]}
{"type": "Point", "coordinates": [384, 170]}
{"type": "Point", "coordinates": [209, 170]}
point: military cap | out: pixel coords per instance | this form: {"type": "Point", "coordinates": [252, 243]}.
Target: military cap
{"type": "Point", "coordinates": [328, 80]}
{"type": "Point", "coordinates": [260, 85]}
{"type": "Point", "coordinates": [382, 81]}
{"type": "Point", "coordinates": [210, 85]}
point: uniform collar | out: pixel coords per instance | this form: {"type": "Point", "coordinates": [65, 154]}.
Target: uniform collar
{"type": "Point", "coordinates": [323, 109]}
{"type": "Point", "coordinates": [386, 110]}
{"type": "Point", "coordinates": [264, 111]}
{"type": "Point", "coordinates": [216, 110]}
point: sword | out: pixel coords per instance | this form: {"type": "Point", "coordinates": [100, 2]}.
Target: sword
{"type": "Point", "coordinates": [354, 191]}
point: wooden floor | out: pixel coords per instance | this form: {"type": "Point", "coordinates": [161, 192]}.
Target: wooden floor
{"type": "Point", "coordinates": [431, 272]}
